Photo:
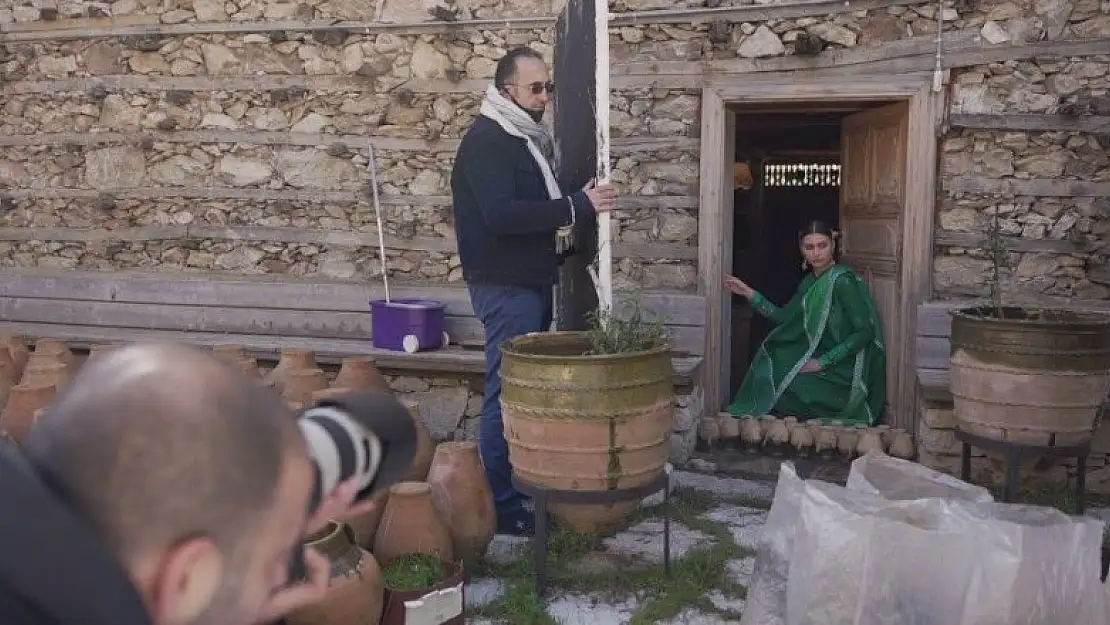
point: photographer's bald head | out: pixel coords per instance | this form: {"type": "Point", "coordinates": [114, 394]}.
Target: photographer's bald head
{"type": "Point", "coordinates": [196, 477]}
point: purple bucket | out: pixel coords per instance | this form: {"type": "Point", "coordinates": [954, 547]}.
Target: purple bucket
{"type": "Point", "coordinates": [407, 325]}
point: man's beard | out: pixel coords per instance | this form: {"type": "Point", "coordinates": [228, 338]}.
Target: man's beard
{"type": "Point", "coordinates": [535, 114]}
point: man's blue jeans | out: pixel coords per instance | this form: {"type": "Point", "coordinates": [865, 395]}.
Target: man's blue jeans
{"type": "Point", "coordinates": [505, 312]}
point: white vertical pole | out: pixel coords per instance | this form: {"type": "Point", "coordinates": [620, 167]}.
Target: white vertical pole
{"type": "Point", "coordinates": [601, 71]}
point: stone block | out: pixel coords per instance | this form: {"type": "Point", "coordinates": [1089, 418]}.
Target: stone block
{"type": "Point", "coordinates": [938, 417]}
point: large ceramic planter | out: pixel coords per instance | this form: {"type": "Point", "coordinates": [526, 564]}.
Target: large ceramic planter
{"type": "Point", "coordinates": [585, 422]}
{"type": "Point", "coordinates": [355, 591]}
{"type": "Point", "coordinates": [463, 497]}
{"type": "Point", "coordinates": [300, 384]}
{"type": "Point", "coordinates": [411, 524]}
{"type": "Point", "coordinates": [441, 604]}
{"type": "Point", "coordinates": [1032, 376]}
{"type": "Point", "coordinates": [23, 402]}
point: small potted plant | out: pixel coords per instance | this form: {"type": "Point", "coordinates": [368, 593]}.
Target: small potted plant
{"type": "Point", "coordinates": [422, 589]}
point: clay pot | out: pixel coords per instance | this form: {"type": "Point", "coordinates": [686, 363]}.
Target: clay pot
{"type": "Point", "coordinates": [431, 612]}
{"type": "Point", "coordinates": [869, 440]}
{"type": "Point", "coordinates": [750, 433]}
{"type": "Point", "coordinates": [846, 440]}
{"type": "Point", "coordinates": [902, 446]}
{"type": "Point", "coordinates": [411, 524]}
{"type": "Point", "coordinates": [16, 349]}
{"type": "Point", "coordinates": [885, 433]}
{"type": "Point", "coordinates": [765, 424]}
{"type": "Point", "coordinates": [55, 373]}
{"type": "Point", "coordinates": [362, 374]}
{"type": "Point", "coordinates": [300, 384]}
{"type": "Point", "coordinates": [777, 433]}
{"type": "Point", "coordinates": [425, 449]}
{"type": "Point", "coordinates": [463, 498]}
{"type": "Point", "coordinates": [290, 360]}
{"type": "Point", "coordinates": [355, 593]}
{"type": "Point", "coordinates": [365, 525]}
{"type": "Point", "coordinates": [9, 371]}
{"type": "Point", "coordinates": [790, 422]}
{"type": "Point", "coordinates": [825, 443]}
{"type": "Point", "coordinates": [814, 426]}
{"type": "Point", "coordinates": [801, 440]}
{"type": "Point", "coordinates": [327, 393]}
{"type": "Point", "coordinates": [56, 350]}
{"type": "Point", "coordinates": [295, 406]}
{"type": "Point", "coordinates": [23, 401]}
{"type": "Point", "coordinates": [729, 427]}
{"type": "Point", "coordinates": [230, 353]}
{"type": "Point", "coordinates": [709, 432]}
{"type": "Point", "coordinates": [249, 367]}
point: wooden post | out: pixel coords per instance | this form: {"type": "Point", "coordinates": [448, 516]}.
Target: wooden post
{"type": "Point", "coordinates": [577, 146]}
{"type": "Point", "coordinates": [601, 71]}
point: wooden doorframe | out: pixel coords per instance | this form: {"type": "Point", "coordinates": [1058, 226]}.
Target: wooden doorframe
{"type": "Point", "coordinates": [718, 125]}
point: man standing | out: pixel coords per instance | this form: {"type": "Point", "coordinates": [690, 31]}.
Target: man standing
{"type": "Point", "coordinates": [513, 225]}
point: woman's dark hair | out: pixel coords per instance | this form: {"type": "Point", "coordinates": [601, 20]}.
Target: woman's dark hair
{"type": "Point", "coordinates": [817, 226]}
{"type": "Point", "coordinates": [506, 66]}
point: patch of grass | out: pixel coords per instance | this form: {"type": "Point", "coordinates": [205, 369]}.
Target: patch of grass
{"type": "Point", "coordinates": [414, 572]}
{"type": "Point", "coordinates": [663, 596]}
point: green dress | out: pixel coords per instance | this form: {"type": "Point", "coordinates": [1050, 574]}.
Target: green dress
{"type": "Point", "coordinates": [831, 318]}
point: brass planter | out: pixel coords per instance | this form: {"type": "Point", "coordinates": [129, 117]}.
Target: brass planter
{"type": "Point", "coordinates": [1036, 377]}
{"type": "Point", "coordinates": [585, 422]}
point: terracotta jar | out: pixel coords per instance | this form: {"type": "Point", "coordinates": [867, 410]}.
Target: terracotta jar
{"type": "Point", "coordinates": [801, 439]}
{"type": "Point", "coordinates": [362, 374]}
{"type": "Point", "coordinates": [19, 410]}
{"type": "Point", "coordinates": [365, 525]}
{"type": "Point", "coordinates": [230, 353]}
{"type": "Point", "coordinates": [16, 349]}
{"type": "Point", "coordinates": [750, 433]}
{"type": "Point", "coordinates": [846, 440]}
{"type": "Point", "coordinates": [729, 427]}
{"type": "Point", "coordinates": [901, 445]}
{"type": "Point", "coordinates": [295, 406]}
{"type": "Point", "coordinates": [300, 384]}
{"type": "Point", "coordinates": [463, 498]}
{"type": "Point", "coordinates": [411, 524]}
{"type": "Point", "coordinates": [56, 349]}
{"type": "Point", "coordinates": [290, 360]}
{"type": "Point", "coordinates": [9, 371]}
{"type": "Point", "coordinates": [326, 393]}
{"type": "Point", "coordinates": [356, 590]}
{"type": "Point", "coordinates": [869, 440]}
{"type": "Point", "coordinates": [425, 449]}
{"type": "Point", "coordinates": [249, 366]}
{"type": "Point", "coordinates": [778, 433]}
{"type": "Point", "coordinates": [55, 373]}
{"type": "Point", "coordinates": [825, 443]}
{"type": "Point", "coordinates": [709, 432]}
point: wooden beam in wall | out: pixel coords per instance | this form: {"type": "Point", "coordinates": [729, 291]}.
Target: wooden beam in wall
{"type": "Point", "coordinates": [330, 238]}
{"type": "Point", "coordinates": [149, 25]}
{"type": "Point", "coordinates": [621, 145]}
{"type": "Point", "coordinates": [971, 240]}
{"type": "Point", "coordinates": [1031, 122]}
{"type": "Point", "coordinates": [1037, 187]}
{"type": "Point", "coordinates": [625, 203]}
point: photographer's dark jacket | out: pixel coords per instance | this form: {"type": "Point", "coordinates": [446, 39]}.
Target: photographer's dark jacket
{"type": "Point", "coordinates": [53, 569]}
{"type": "Point", "coordinates": [505, 223]}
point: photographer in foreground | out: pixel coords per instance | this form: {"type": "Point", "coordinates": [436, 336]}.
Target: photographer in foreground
{"type": "Point", "coordinates": [163, 487]}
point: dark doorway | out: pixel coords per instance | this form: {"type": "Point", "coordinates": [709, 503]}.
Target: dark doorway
{"type": "Point", "coordinates": [788, 172]}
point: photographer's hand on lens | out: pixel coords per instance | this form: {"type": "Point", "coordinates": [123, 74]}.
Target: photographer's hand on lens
{"type": "Point", "coordinates": [337, 504]}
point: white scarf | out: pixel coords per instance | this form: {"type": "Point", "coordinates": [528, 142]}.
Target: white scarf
{"type": "Point", "coordinates": [517, 123]}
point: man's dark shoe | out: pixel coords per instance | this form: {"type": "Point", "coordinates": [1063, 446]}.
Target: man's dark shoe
{"type": "Point", "coordinates": [520, 523]}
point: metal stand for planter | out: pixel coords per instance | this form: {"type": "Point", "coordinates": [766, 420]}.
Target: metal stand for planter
{"type": "Point", "coordinates": [1014, 452]}
{"type": "Point", "coordinates": [542, 495]}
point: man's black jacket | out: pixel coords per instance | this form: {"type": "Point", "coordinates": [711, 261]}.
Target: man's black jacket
{"type": "Point", "coordinates": [505, 223]}
{"type": "Point", "coordinates": [53, 569]}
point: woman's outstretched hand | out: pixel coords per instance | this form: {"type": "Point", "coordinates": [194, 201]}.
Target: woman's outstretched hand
{"type": "Point", "coordinates": [737, 286]}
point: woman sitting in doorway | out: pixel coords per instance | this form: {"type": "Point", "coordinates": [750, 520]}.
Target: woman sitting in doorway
{"type": "Point", "coordinates": [825, 358]}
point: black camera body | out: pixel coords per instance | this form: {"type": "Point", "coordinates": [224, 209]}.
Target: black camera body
{"type": "Point", "coordinates": [369, 436]}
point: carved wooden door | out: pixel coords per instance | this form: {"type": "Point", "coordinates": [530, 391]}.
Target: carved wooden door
{"type": "Point", "coordinates": [872, 203]}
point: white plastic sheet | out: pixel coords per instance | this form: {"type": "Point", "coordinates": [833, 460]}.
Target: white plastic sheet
{"type": "Point", "coordinates": [876, 554]}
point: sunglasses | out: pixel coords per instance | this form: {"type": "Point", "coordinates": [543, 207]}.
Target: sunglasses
{"type": "Point", "coordinates": [539, 87]}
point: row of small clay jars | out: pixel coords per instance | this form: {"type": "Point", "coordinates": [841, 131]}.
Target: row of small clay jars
{"type": "Point", "coordinates": [849, 440]}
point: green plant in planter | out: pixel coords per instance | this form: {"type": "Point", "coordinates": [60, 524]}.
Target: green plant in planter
{"type": "Point", "coordinates": [637, 331]}
{"type": "Point", "coordinates": [414, 572]}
